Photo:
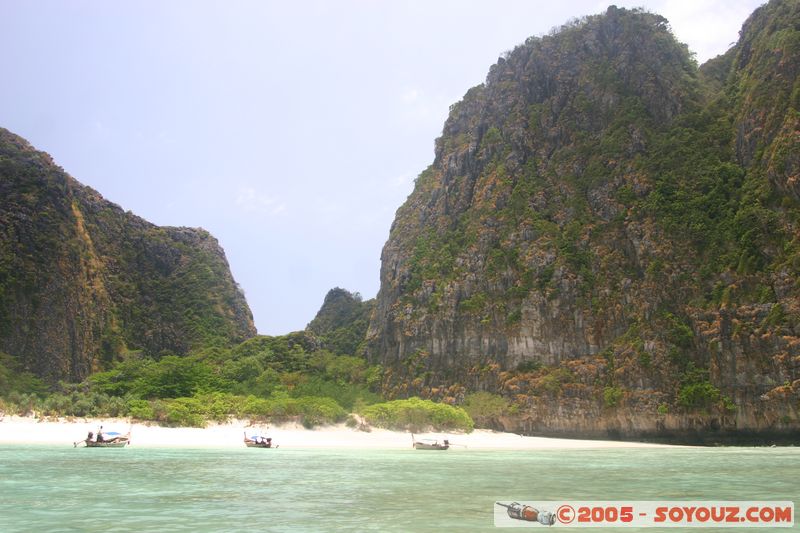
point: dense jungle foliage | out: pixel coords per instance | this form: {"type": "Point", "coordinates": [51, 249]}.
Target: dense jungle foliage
{"type": "Point", "coordinates": [265, 379]}
{"type": "Point", "coordinates": [295, 377]}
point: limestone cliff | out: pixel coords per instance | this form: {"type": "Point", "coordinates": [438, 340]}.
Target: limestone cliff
{"type": "Point", "coordinates": [608, 237]}
{"type": "Point", "coordinates": [341, 323]}
{"type": "Point", "coordinates": [82, 281]}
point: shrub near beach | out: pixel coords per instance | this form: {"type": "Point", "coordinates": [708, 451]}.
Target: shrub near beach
{"type": "Point", "coordinates": [415, 414]}
{"type": "Point", "coordinates": [265, 379]}
{"type": "Point", "coordinates": [276, 379]}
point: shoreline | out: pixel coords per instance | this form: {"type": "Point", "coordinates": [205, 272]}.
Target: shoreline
{"type": "Point", "coordinates": [29, 430]}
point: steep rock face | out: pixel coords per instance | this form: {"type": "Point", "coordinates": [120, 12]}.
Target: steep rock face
{"type": "Point", "coordinates": [341, 323]}
{"type": "Point", "coordinates": [82, 281]}
{"type": "Point", "coordinates": [513, 168]}
{"type": "Point", "coordinates": [766, 68]}
{"type": "Point", "coordinates": [607, 234]}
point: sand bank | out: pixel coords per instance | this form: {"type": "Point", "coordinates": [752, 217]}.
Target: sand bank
{"type": "Point", "coordinates": [29, 430]}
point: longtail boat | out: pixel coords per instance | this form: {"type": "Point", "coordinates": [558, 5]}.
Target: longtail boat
{"type": "Point", "coordinates": [257, 441]}
{"type": "Point", "coordinates": [112, 439]}
{"type": "Point", "coordinates": [429, 444]}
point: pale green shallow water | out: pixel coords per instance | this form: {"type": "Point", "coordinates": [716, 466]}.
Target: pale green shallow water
{"type": "Point", "coordinates": [58, 488]}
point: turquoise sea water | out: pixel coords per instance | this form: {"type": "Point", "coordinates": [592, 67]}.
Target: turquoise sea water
{"type": "Point", "coordinates": [60, 488]}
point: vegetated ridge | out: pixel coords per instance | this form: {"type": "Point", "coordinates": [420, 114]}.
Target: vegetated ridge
{"type": "Point", "coordinates": [341, 323]}
{"type": "Point", "coordinates": [606, 243]}
{"type": "Point", "coordinates": [83, 282]}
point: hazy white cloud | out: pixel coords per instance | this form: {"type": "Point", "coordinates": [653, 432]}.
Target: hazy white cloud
{"type": "Point", "coordinates": [252, 201]}
{"type": "Point", "coordinates": [100, 130]}
{"type": "Point", "coordinates": [328, 207]}
{"type": "Point", "coordinates": [402, 181]}
{"type": "Point", "coordinates": [421, 107]}
{"type": "Point", "coordinates": [410, 95]}
{"type": "Point", "coordinates": [165, 138]}
{"type": "Point", "coordinates": [416, 105]}
{"type": "Point", "coordinates": [709, 27]}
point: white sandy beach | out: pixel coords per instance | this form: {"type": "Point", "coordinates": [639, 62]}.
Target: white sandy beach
{"type": "Point", "coordinates": [29, 430]}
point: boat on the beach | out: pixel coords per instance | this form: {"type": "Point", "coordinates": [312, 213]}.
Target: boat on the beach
{"type": "Point", "coordinates": [112, 439]}
{"type": "Point", "coordinates": [257, 441]}
{"type": "Point", "coordinates": [430, 444]}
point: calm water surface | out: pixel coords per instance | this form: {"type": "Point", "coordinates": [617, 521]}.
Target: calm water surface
{"type": "Point", "coordinates": [58, 488]}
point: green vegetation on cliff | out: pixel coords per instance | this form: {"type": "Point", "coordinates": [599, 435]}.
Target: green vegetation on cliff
{"type": "Point", "coordinates": [342, 321]}
{"type": "Point", "coordinates": [83, 283]}
{"type": "Point", "coordinates": [606, 243]}
{"type": "Point", "coordinates": [609, 232]}
{"type": "Point", "coordinates": [292, 377]}
{"type": "Point", "coordinates": [265, 378]}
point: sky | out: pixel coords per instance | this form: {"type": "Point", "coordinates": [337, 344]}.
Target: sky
{"type": "Point", "coordinates": [292, 131]}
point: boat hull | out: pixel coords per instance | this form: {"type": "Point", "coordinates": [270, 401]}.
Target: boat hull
{"type": "Point", "coordinates": [258, 444]}
{"type": "Point", "coordinates": [115, 444]}
{"type": "Point", "coordinates": [425, 446]}
{"type": "Point", "coordinates": [257, 441]}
